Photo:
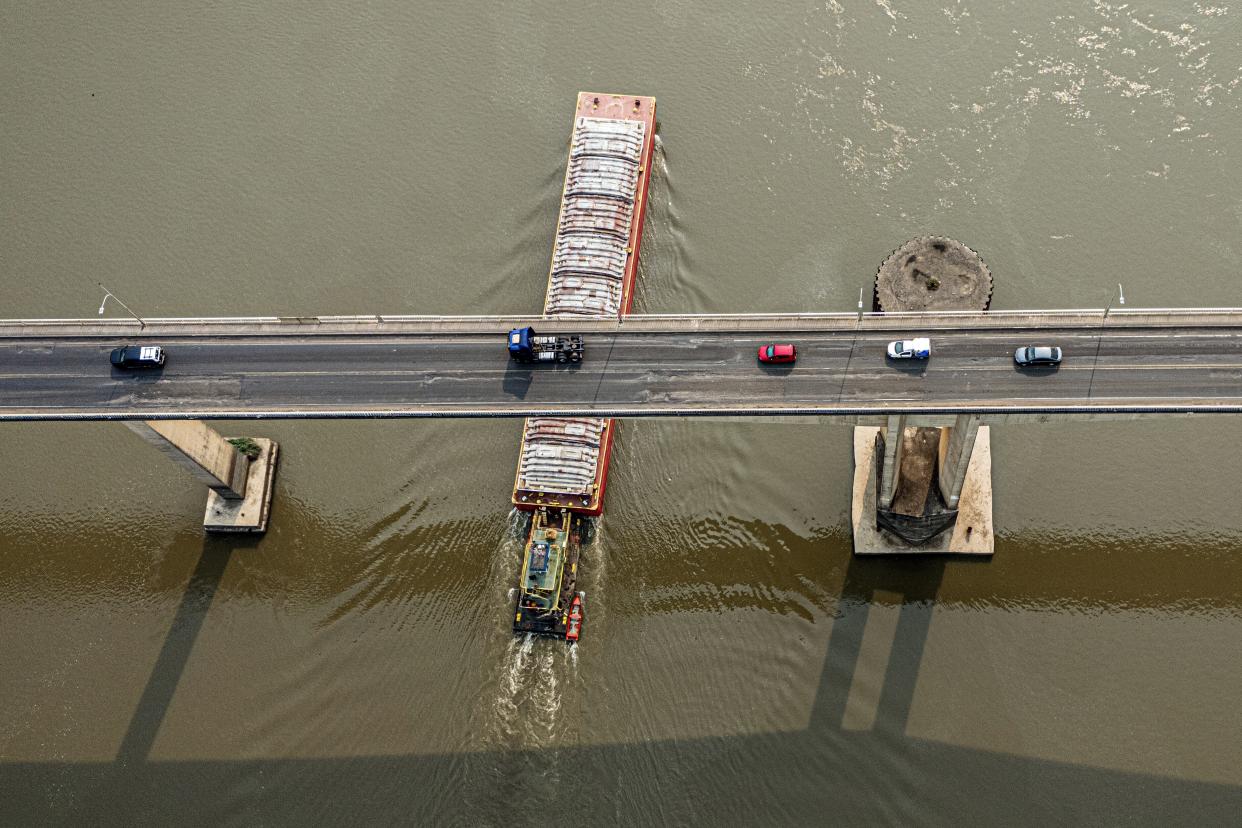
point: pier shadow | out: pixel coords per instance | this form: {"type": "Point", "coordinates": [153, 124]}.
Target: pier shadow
{"type": "Point", "coordinates": [917, 580]}
{"type": "Point", "coordinates": [196, 600]}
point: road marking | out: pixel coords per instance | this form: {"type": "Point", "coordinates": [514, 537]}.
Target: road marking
{"type": "Point", "coordinates": [1008, 365]}
{"type": "Point", "coordinates": [1152, 366]}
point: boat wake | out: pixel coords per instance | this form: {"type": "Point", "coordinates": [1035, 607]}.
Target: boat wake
{"type": "Point", "coordinates": [592, 576]}
{"type": "Point", "coordinates": [518, 524]}
{"type": "Point", "coordinates": [523, 708]}
{"type": "Point", "coordinates": [526, 712]}
{"type": "Point", "coordinates": [532, 702]}
{"type": "Point", "coordinates": [536, 703]}
{"type": "Point", "coordinates": [545, 697]}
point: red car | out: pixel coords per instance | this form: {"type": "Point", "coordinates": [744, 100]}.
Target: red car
{"type": "Point", "coordinates": [778, 352]}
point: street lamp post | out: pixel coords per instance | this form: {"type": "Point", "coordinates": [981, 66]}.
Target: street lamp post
{"type": "Point", "coordinates": [109, 294]}
{"type": "Point", "coordinates": [1099, 337]}
{"type": "Point", "coordinates": [1121, 300]}
{"type": "Point", "coordinates": [853, 343]}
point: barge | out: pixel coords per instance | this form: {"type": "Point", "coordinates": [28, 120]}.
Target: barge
{"type": "Point", "coordinates": [603, 206]}
{"type": "Point", "coordinates": [563, 464]}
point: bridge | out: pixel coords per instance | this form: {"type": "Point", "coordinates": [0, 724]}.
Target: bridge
{"type": "Point", "coordinates": [1136, 362]}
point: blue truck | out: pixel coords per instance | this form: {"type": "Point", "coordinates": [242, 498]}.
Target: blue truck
{"type": "Point", "coordinates": [526, 346]}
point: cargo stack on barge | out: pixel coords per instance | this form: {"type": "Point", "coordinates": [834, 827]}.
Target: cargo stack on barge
{"type": "Point", "coordinates": [563, 465]}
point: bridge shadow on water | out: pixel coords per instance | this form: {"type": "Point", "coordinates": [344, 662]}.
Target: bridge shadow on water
{"type": "Point", "coordinates": [825, 773]}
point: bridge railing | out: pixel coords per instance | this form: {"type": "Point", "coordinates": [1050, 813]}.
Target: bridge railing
{"type": "Point", "coordinates": [414, 324]}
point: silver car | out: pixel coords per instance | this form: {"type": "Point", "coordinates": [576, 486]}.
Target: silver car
{"type": "Point", "coordinates": [1037, 355]}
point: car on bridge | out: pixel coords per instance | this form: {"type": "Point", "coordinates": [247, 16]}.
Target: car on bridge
{"type": "Point", "coordinates": [778, 352]}
{"type": "Point", "coordinates": [1033, 355]}
{"type": "Point", "coordinates": [917, 348]}
{"type": "Point", "coordinates": [137, 356]}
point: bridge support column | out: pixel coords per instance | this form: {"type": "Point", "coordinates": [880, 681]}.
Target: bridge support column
{"type": "Point", "coordinates": [970, 534]}
{"type": "Point", "coordinates": [241, 489]}
{"type": "Point", "coordinates": [890, 469]}
{"type": "Point", "coordinates": [957, 445]}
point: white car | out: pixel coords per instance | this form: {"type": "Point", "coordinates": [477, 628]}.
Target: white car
{"type": "Point", "coordinates": [917, 348]}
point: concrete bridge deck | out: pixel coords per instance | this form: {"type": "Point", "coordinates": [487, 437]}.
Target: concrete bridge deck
{"type": "Point", "coordinates": [1146, 362]}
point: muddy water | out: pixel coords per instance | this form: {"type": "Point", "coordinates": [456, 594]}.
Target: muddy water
{"type": "Point", "coordinates": [739, 664]}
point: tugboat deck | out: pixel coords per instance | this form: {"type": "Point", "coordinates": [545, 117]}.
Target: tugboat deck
{"type": "Point", "coordinates": [549, 573]}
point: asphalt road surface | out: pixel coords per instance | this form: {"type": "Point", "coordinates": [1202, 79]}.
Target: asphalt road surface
{"type": "Point", "coordinates": [627, 374]}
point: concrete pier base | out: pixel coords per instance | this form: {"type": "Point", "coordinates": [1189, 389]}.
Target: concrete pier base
{"type": "Point", "coordinates": [249, 514]}
{"type": "Point", "coordinates": [973, 532]}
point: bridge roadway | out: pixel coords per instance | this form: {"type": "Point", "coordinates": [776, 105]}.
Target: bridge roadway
{"type": "Point", "coordinates": [627, 372]}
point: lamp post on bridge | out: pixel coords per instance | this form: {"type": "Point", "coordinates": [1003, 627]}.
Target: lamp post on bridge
{"type": "Point", "coordinates": [109, 294]}
{"type": "Point", "coordinates": [853, 343]}
{"type": "Point", "coordinates": [1120, 296]}
{"type": "Point", "coordinates": [1121, 300]}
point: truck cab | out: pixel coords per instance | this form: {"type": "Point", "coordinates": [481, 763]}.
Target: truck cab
{"type": "Point", "coordinates": [520, 343]}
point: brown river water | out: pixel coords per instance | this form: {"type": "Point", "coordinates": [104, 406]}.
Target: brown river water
{"type": "Point", "coordinates": [356, 664]}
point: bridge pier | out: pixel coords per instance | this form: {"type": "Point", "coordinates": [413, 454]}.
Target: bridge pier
{"type": "Point", "coordinates": [969, 532]}
{"type": "Point", "coordinates": [956, 449]}
{"type": "Point", "coordinates": [241, 489]}
{"type": "Point", "coordinates": [930, 488]}
{"type": "Point", "coordinates": [890, 465]}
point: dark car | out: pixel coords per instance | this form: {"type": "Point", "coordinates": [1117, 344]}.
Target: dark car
{"type": "Point", "coordinates": [1032, 355]}
{"type": "Point", "coordinates": [778, 352]}
{"type": "Point", "coordinates": [137, 356]}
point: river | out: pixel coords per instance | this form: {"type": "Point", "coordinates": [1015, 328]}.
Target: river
{"type": "Point", "coordinates": [356, 664]}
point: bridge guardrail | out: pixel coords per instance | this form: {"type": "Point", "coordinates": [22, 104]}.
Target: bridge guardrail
{"type": "Point", "coordinates": [408, 324]}
{"type": "Point", "coordinates": [992, 414]}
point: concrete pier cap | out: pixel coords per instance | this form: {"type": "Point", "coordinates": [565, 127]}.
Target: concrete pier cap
{"type": "Point", "coordinates": [240, 484]}
{"type": "Point", "coordinates": [916, 492]}
{"type": "Point", "coordinates": [250, 514]}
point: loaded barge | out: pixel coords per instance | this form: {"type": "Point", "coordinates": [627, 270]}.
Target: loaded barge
{"type": "Point", "coordinates": [563, 466]}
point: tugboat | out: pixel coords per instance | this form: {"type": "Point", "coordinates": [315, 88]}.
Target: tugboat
{"type": "Point", "coordinates": [546, 601]}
